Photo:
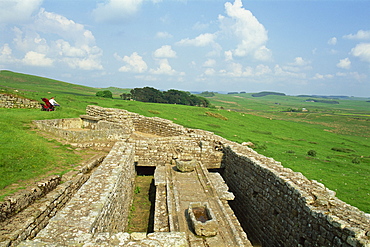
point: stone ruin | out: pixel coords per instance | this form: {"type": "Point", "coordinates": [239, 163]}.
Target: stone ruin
{"type": "Point", "coordinates": [12, 101]}
{"type": "Point", "coordinates": [252, 199]}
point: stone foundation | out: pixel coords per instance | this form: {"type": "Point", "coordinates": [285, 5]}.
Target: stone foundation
{"type": "Point", "coordinates": [30, 221]}
{"type": "Point", "coordinates": [11, 101]}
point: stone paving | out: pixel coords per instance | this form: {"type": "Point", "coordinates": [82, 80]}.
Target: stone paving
{"type": "Point", "coordinates": [196, 186]}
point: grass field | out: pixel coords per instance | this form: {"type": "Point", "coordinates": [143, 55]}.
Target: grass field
{"type": "Point", "coordinates": [337, 133]}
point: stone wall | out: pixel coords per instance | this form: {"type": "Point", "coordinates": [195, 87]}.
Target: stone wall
{"type": "Point", "coordinates": [10, 101]}
{"type": "Point", "coordinates": [151, 125]}
{"type": "Point", "coordinates": [83, 134]}
{"type": "Point", "coordinates": [16, 203]}
{"type": "Point", "coordinates": [30, 221]}
{"type": "Point", "coordinates": [279, 207]}
{"type": "Point", "coordinates": [100, 206]}
{"type": "Point", "coordinates": [113, 217]}
{"type": "Point", "coordinates": [161, 151]}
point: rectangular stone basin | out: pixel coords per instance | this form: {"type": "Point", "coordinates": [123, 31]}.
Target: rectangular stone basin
{"type": "Point", "coordinates": [202, 219]}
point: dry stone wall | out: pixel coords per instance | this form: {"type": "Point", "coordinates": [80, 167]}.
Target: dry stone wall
{"type": "Point", "coordinates": [16, 203]}
{"type": "Point", "coordinates": [10, 101]}
{"type": "Point", "coordinates": [279, 207]}
{"type": "Point", "coordinates": [100, 206]}
{"type": "Point", "coordinates": [161, 151]}
{"type": "Point", "coordinates": [151, 125]}
{"type": "Point", "coordinates": [113, 217]}
{"type": "Point", "coordinates": [84, 134]}
{"type": "Point", "coordinates": [30, 221]}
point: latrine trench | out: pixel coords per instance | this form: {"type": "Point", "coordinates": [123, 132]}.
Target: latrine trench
{"type": "Point", "coordinates": [141, 216]}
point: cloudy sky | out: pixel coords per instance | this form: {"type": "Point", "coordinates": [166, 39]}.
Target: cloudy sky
{"type": "Point", "coordinates": [293, 46]}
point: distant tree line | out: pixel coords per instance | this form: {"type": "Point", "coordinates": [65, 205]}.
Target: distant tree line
{"type": "Point", "coordinates": [172, 96]}
{"type": "Point", "coordinates": [207, 94]}
{"type": "Point", "coordinates": [237, 92]}
{"type": "Point", "coordinates": [323, 101]}
{"type": "Point", "coordinates": [261, 94]}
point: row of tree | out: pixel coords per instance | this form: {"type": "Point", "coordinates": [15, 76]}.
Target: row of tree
{"type": "Point", "coordinates": [172, 96]}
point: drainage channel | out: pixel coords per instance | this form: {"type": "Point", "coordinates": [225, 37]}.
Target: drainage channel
{"type": "Point", "coordinates": [141, 218]}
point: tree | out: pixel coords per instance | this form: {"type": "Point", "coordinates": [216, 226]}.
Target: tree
{"type": "Point", "coordinates": [147, 94]}
{"type": "Point", "coordinates": [126, 96]}
{"type": "Point", "coordinates": [105, 94]}
{"type": "Point", "coordinates": [207, 94]}
{"type": "Point", "coordinates": [177, 97]}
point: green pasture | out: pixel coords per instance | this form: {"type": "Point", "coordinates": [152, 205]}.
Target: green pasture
{"type": "Point", "coordinates": [337, 133]}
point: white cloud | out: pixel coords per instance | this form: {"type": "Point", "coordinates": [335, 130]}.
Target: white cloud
{"type": "Point", "coordinates": [249, 32]}
{"type": "Point", "coordinates": [209, 63]}
{"type": "Point", "coordinates": [134, 63]}
{"type": "Point", "coordinates": [344, 63]}
{"type": "Point", "coordinates": [228, 55]}
{"type": "Point", "coordinates": [299, 61]}
{"type": "Point", "coordinates": [29, 41]}
{"type": "Point", "coordinates": [74, 45]}
{"type": "Point", "coordinates": [290, 72]}
{"type": "Point", "coordinates": [353, 75]}
{"type": "Point", "coordinates": [163, 35]}
{"type": "Point", "coordinates": [16, 11]}
{"type": "Point", "coordinates": [237, 70]}
{"type": "Point", "coordinates": [361, 34]}
{"type": "Point", "coordinates": [116, 10]}
{"type": "Point", "coordinates": [89, 62]}
{"type": "Point", "coordinates": [37, 59]}
{"type": "Point", "coordinates": [6, 50]}
{"type": "Point", "coordinates": [164, 68]}
{"type": "Point", "coordinates": [362, 51]}
{"type": "Point", "coordinates": [262, 69]}
{"type": "Point", "coordinates": [202, 40]}
{"type": "Point", "coordinates": [200, 26]}
{"type": "Point", "coordinates": [332, 41]}
{"type": "Point", "coordinates": [6, 54]}
{"type": "Point", "coordinates": [48, 22]}
{"type": "Point", "coordinates": [209, 72]}
{"type": "Point", "coordinates": [165, 52]}
{"type": "Point", "coordinates": [297, 66]}
{"type": "Point", "coordinates": [66, 49]}
{"type": "Point", "coordinates": [321, 77]}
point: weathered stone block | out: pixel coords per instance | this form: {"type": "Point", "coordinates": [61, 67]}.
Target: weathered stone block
{"type": "Point", "coordinates": [202, 219]}
{"type": "Point", "coordinates": [186, 165]}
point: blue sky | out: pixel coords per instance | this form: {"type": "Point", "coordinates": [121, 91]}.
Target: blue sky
{"type": "Point", "coordinates": [294, 47]}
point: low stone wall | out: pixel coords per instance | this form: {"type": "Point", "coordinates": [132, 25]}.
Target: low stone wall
{"type": "Point", "coordinates": [10, 101]}
{"type": "Point", "coordinates": [16, 203]}
{"type": "Point", "coordinates": [159, 151]}
{"type": "Point", "coordinates": [279, 207]}
{"type": "Point", "coordinates": [74, 131]}
{"type": "Point", "coordinates": [113, 217]}
{"type": "Point", "coordinates": [36, 216]}
{"type": "Point", "coordinates": [157, 126]}
{"type": "Point", "coordinates": [151, 125]}
{"type": "Point", "coordinates": [101, 205]}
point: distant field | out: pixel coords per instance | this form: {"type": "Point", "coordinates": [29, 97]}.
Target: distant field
{"type": "Point", "coordinates": [338, 133]}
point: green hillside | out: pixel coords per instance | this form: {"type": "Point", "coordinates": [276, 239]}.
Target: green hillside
{"type": "Point", "coordinates": [337, 133]}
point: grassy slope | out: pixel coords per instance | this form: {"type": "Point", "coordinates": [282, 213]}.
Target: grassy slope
{"type": "Point", "coordinates": [284, 136]}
